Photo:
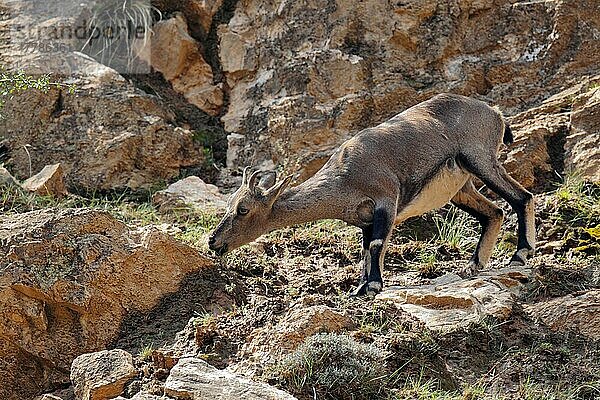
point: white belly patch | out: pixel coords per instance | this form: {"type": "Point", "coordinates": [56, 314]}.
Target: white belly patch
{"type": "Point", "coordinates": [438, 192]}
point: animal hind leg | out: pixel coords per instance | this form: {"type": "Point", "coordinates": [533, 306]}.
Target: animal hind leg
{"type": "Point", "coordinates": [489, 215]}
{"type": "Point", "coordinates": [521, 200]}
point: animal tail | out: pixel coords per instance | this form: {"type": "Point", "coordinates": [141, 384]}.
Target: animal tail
{"type": "Point", "coordinates": [508, 135]}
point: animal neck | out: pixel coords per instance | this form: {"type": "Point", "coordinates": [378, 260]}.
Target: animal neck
{"type": "Point", "coordinates": [312, 200]}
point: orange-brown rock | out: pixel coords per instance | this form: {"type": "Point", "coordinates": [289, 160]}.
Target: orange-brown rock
{"type": "Point", "coordinates": [68, 278]}
{"type": "Point", "coordinates": [48, 182]}
{"type": "Point", "coordinates": [177, 56]}
{"type": "Point", "coordinates": [101, 375]}
{"type": "Point", "coordinates": [107, 136]}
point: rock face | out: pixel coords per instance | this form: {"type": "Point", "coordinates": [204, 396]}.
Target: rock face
{"type": "Point", "coordinates": [298, 89]}
{"type": "Point", "coordinates": [48, 182]}
{"type": "Point", "coordinates": [101, 375]}
{"type": "Point", "coordinates": [577, 313]}
{"type": "Point", "coordinates": [192, 192]}
{"type": "Point", "coordinates": [195, 379]}
{"type": "Point", "coordinates": [177, 56]}
{"type": "Point", "coordinates": [68, 278]}
{"type": "Point", "coordinates": [108, 135]}
{"type": "Point", "coordinates": [583, 142]}
{"type": "Point", "coordinates": [450, 303]}
{"type": "Point", "coordinates": [289, 91]}
{"type": "Point", "coordinates": [561, 134]}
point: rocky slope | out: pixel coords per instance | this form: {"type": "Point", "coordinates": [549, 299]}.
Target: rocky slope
{"type": "Point", "coordinates": [69, 279]}
{"type": "Point", "coordinates": [509, 333]}
{"type": "Point", "coordinates": [111, 295]}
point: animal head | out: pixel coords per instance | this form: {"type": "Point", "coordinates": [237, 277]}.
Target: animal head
{"type": "Point", "coordinates": [248, 211]}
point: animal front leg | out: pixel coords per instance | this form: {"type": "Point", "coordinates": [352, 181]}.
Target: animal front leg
{"type": "Point", "coordinates": [383, 223]}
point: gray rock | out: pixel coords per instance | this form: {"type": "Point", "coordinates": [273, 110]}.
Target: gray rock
{"type": "Point", "coordinates": [6, 179]}
{"type": "Point", "coordinates": [450, 304]}
{"type": "Point", "coordinates": [193, 192]}
{"type": "Point", "coordinates": [195, 379]}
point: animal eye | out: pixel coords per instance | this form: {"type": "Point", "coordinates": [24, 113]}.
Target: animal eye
{"type": "Point", "coordinates": [242, 211]}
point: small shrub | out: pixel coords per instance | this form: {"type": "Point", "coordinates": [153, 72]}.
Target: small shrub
{"type": "Point", "coordinates": [336, 367]}
{"type": "Point", "coordinates": [146, 351]}
{"type": "Point", "coordinates": [12, 83]}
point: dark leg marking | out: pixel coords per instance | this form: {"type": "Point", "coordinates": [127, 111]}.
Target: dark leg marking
{"type": "Point", "coordinates": [521, 200]}
{"type": "Point", "coordinates": [383, 222]}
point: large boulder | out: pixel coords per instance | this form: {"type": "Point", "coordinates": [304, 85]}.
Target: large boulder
{"type": "Point", "coordinates": [298, 89]}
{"type": "Point", "coordinates": [107, 135]}
{"type": "Point", "coordinates": [102, 375]}
{"type": "Point", "coordinates": [577, 313]}
{"type": "Point", "coordinates": [174, 53]}
{"type": "Point", "coordinates": [68, 278]}
{"type": "Point", "coordinates": [195, 379]}
{"type": "Point", "coordinates": [450, 303]}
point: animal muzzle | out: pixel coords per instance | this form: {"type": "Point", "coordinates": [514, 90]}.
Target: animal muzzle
{"type": "Point", "coordinates": [219, 249]}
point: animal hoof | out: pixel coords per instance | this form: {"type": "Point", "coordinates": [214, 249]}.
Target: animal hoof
{"type": "Point", "coordinates": [519, 259]}
{"type": "Point", "coordinates": [468, 270]}
{"type": "Point", "coordinates": [361, 290]}
{"type": "Point", "coordinates": [374, 288]}
{"type": "Point", "coordinates": [514, 262]}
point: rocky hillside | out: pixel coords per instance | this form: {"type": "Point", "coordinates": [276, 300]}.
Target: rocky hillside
{"type": "Point", "coordinates": [107, 288]}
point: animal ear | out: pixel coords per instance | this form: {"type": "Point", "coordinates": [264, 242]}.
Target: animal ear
{"type": "Point", "coordinates": [272, 194]}
{"type": "Point", "coordinates": [267, 180]}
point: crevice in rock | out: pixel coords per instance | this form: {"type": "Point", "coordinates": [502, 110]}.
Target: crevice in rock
{"type": "Point", "coordinates": [555, 146]}
{"type": "Point", "coordinates": [4, 151]}
{"type": "Point", "coordinates": [58, 105]}
{"type": "Point", "coordinates": [223, 16]}
{"type": "Point", "coordinates": [211, 49]}
{"type": "Point", "coordinates": [556, 149]}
